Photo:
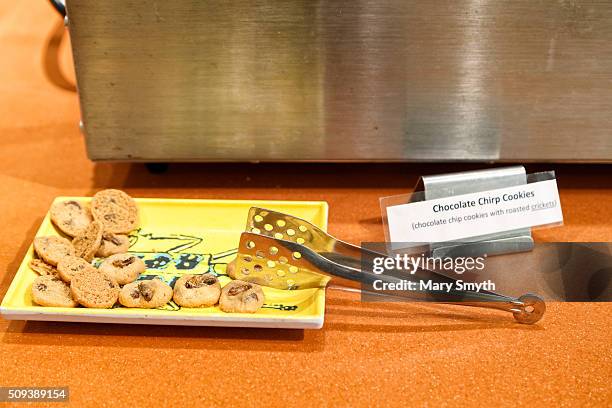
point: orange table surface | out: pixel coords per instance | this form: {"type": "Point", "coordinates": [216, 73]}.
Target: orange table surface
{"type": "Point", "coordinates": [365, 355]}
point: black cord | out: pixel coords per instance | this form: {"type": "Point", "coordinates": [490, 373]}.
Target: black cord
{"type": "Point", "coordinates": [59, 6]}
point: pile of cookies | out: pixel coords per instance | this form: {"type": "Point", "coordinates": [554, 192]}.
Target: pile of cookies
{"type": "Point", "coordinates": [68, 279]}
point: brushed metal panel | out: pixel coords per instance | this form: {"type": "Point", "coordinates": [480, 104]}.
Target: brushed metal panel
{"type": "Point", "coordinates": [193, 80]}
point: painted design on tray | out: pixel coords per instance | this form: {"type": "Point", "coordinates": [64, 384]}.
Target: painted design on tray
{"type": "Point", "coordinates": [165, 256]}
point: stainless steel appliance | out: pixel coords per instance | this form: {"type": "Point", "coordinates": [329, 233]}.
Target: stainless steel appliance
{"type": "Point", "coordinates": [356, 80]}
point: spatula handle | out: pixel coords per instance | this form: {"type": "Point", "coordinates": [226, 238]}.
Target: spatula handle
{"type": "Point", "coordinates": [527, 309]}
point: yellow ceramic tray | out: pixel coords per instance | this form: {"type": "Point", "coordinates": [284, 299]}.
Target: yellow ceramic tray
{"type": "Point", "coordinates": [178, 237]}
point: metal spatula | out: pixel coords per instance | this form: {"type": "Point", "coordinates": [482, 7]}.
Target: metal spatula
{"type": "Point", "coordinates": [286, 252]}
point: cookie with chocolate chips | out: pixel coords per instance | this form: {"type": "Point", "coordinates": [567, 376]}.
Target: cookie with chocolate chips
{"type": "Point", "coordinates": [51, 291]}
{"type": "Point", "coordinates": [124, 268]}
{"type": "Point", "coordinates": [94, 289]}
{"type": "Point", "coordinates": [86, 244]}
{"type": "Point", "coordinates": [197, 290]}
{"type": "Point", "coordinates": [145, 294]}
{"type": "Point", "coordinates": [42, 268]}
{"type": "Point", "coordinates": [71, 265]}
{"type": "Point", "coordinates": [52, 249]}
{"type": "Point", "coordinates": [230, 270]}
{"type": "Point", "coordinates": [116, 210]}
{"type": "Point", "coordinates": [241, 297]}
{"type": "Point", "coordinates": [71, 217]}
{"type": "Point", "coordinates": [113, 244]}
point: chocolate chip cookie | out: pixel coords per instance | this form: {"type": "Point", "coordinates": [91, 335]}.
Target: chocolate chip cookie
{"type": "Point", "coordinates": [124, 268]}
{"type": "Point", "coordinates": [52, 249]}
{"type": "Point", "coordinates": [231, 269]}
{"type": "Point", "coordinates": [71, 217]}
{"type": "Point", "coordinates": [145, 294]}
{"type": "Point", "coordinates": [241, 297]}
{"type": "Point", "coordinates": [94, 289]}
{"type": "Point", "coordinates": [42, 268]}
{"type": "Point", "coordinates": [86, 244]}
{"type": "Point", "coordinates": [51, 291]}
{"type": "Point", "coordinates": [71, 265]}
{"type": "Point", "coordinates": [116, 210]}
{"type": "Point", "coordinates": [197, 290]}
{"type": "Point", "coordinates": [113, 244]}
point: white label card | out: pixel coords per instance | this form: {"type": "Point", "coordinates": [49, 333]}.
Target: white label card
{"type": "Point", "coordinates": [475, 214]}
